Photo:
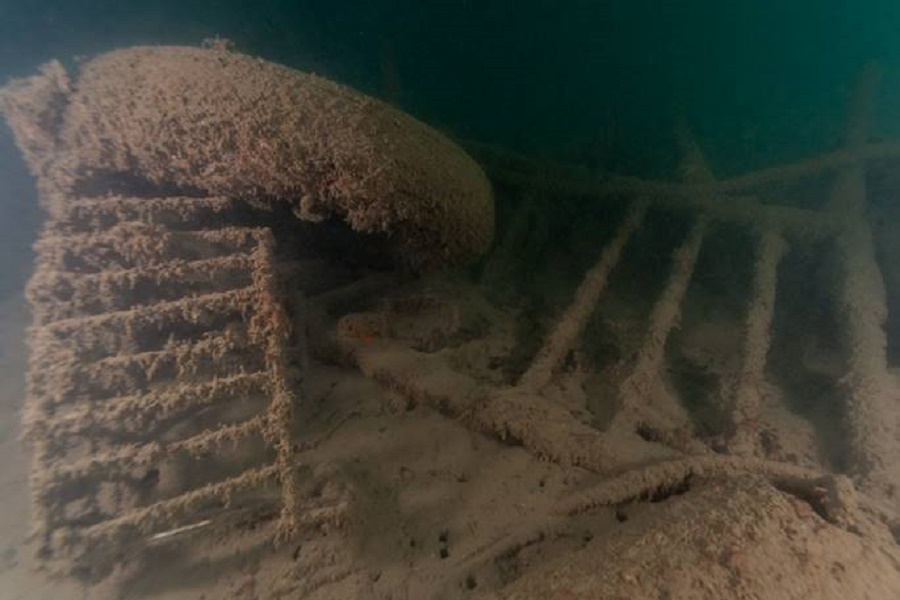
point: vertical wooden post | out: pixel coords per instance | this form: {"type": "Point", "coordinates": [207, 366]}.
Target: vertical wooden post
{"type": "Point", "coordinates": [870, 393]}
{"type": "Point", "coordinates": [747, 404]}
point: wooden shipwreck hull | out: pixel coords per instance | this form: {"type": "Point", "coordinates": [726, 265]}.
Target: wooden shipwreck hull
{"type": "Point", "coordinates": [159, 391]}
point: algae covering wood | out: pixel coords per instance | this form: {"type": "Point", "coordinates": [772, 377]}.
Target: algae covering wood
{"type": "Point", "coordinates": [102, 429]}
{"type": "Point", "coordinates": [156, 293]}
{"type": "Point", "coordinates": [223, 123]}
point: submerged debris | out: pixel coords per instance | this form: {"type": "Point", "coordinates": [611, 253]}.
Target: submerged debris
{"type": "Point", "coordinates": [163, 384]}
{"type": "Point", "coordinates": [160, 395]}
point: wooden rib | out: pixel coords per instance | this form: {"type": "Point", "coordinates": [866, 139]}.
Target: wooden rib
{"type": "Point", "coordinates": [131, 245]}
{"type": "Point", "coordinates": [746, 402]}
{"type": "Point", "coordinates": [871, 395]}
{"type": "Point", "coordinates": [271, 326]}
{"type": "Point", "coordinates": [58, 381]}
{"type": "Point", "coordinates": [570, 326]}
{"type": "Point", "coordinates": [848, 193]}
{"type": "Point", "coordinates": [137, 414]}
{"type": "Point", "coordinates": [147, 520]}
{"type": "Point", "coordinates": [41, 514]}
{"type": "Point", "coordinates": [666, 475]}
{"type": "Point", "coordinates": [258, 306]}
{"type": "Point", "coordinates": [661, 477]}
{"type": "Point", "coordinates": [57, 295]}
{"type": "Point", "coordinates": [120, 331]}
{"type": "Point", "coordinates": [802, 169]}
{"type": "Point", "coordinates": [705, 197]}
{"type": "Point", "coordinates": [637, 388]}
{"type": "Point", "coordinates": [746, 405]}
{"type": "Point", "coordinates": [518, 169]}
{"type": "Point", "coordinates": [173, 212]}
{"type": "Point", "coordinates": [545, 428]}
{"type": "Point", "coordinates": [123, 462]}
{"type": "Point", "coordinates": [642, 483]}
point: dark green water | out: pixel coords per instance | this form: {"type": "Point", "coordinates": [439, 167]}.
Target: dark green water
{"type": "Point", "coordinates": [525, 73]}
{"type": "Point", "coordinates": [584, 80]}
